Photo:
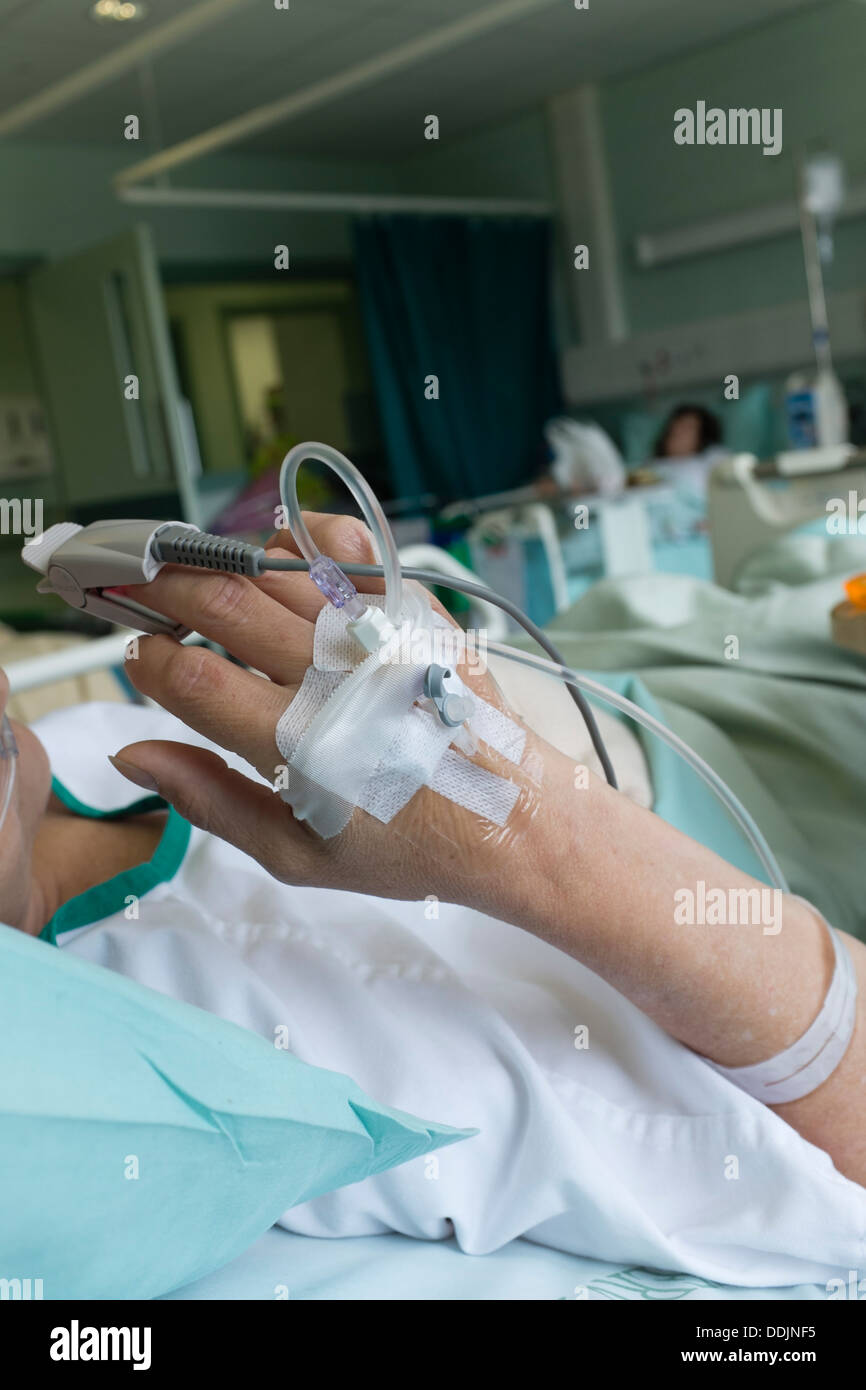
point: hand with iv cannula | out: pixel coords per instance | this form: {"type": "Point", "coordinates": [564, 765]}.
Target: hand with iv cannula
{"type": "Point", "coordinates": [585, 869]}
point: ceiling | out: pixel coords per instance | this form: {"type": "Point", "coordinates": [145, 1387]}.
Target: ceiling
{"type": "Point", "coordinates": [257, 54]}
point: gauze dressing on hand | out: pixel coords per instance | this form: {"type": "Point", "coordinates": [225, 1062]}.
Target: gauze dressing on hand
{"type": "Point", "coordinates": [362, 731]}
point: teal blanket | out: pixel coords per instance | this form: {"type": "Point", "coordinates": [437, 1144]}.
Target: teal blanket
{"type": "Point", "coordinates": [753, 682]}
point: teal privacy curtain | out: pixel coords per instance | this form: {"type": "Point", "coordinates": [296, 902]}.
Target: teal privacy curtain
{"type": "Point", "coordinates": [466, 300]}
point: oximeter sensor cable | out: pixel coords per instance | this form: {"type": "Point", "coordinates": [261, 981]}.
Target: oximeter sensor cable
{"type": "Point", "coordinates": [203, 551]}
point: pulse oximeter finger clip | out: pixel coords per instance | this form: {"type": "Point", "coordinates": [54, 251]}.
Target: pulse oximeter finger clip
{"type": "Point", "coordinates": [86, 565]}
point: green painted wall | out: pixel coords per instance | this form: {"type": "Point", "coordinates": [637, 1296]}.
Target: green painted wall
{"type": "Point", "coordinates": [18, 376]}
{"type": "Point", "coordinates": [56, 199]}
{"type": "Point", "coordinates": [507, 160]}
{"type": "Point", "coordinates": [810, 65]}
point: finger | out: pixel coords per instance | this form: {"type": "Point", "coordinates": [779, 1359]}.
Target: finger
{"type": "Point", "coordinates": [225, 803]}
{"type": "Point", "coordinates": [223, 702]}
{"type": "Point", "coordinates": [350, 542]}
{"type": "Point", "coordinates": [294, 589]}
{"type": "Point", "coordinates": [344, 539]}
{"type": "Point", "coordinates": [237, 613]}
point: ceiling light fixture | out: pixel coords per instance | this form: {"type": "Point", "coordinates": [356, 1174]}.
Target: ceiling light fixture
{"type": "Point", "coordinates": [118, 10]}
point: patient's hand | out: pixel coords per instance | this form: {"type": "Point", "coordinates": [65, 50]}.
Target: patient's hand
{"type": "Point", "coordinates": [589, 871]}
{"type": "Point", "coordinates": [432, 847]}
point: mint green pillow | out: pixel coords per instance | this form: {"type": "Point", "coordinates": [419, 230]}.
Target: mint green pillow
{"type": "Point", "coordinates": [144, 1142]}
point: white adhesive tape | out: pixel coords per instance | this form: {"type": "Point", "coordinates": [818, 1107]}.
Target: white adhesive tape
{"type": "Point", "coordinates": [354, 735]}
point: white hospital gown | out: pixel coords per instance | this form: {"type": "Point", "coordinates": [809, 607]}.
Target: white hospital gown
{"type": "Point", "coordinates": [629, 1149]}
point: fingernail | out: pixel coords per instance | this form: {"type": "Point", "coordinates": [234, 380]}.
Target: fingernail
{"type": "Point", "coordinates": [135, 774]}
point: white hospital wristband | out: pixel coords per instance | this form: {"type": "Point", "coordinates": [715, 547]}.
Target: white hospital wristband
{"type": "Point", "coordinates": [803, 1066]}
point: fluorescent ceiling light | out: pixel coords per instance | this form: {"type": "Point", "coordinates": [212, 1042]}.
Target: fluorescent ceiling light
{"type": "Point", "coordinates": [119, 10]}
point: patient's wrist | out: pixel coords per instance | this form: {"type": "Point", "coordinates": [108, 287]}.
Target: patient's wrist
{"type": "Point", "coordinates": [598, 877]}
{"type": "Point", "coordinates": [536, 883]}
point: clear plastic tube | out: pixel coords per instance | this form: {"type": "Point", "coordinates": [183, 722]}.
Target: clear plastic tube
{"type": "Point", "coordinates": [367, 501]}
{"type": "Point", "coordinates": [731, 802]}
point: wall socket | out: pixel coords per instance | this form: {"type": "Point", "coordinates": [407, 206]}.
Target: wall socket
{"type": "Point", "coordinates": [25, 447]}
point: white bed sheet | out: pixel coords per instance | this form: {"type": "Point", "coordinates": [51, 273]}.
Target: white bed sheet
{"type": "Point", "coordinates": [393, 1267]}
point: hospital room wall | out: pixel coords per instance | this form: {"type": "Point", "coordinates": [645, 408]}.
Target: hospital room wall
{"type": "Point", "coordinates": [811, 65]}
{"type": "Point", "coordinates": [57, 199]}
{"type": "Point", "coordinates": [509, 159]}
{"type": "Point", "coordinates": [18, 378]}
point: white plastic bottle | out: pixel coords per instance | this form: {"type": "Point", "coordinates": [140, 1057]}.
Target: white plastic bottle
{"type": "Point", "coordinates": [816, 408]}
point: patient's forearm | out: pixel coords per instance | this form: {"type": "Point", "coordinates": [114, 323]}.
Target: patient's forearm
{"type": "Point", "coordinates": [604, 889]}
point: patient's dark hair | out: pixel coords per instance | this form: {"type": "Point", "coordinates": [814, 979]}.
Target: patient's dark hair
{"type": "Point", "coordinates": [710, 429]}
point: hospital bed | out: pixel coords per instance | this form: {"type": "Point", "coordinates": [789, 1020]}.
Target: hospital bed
{"type": "Point", "coordinates": [538, 554]}
{"type": "Point", "coordinates": [394, 1267]}
{"type": "Point", "coordinates": [543, 554]}
{"type": "Point", "coordinates": [281, 1264]}
{"type": "Point", "coordinates": [753, 503]}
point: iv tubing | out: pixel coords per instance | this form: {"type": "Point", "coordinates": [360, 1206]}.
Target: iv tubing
{"type": "Point", "coordinates": [366, 500]}
{"type": "Point", "coordinates": [728, 799]}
